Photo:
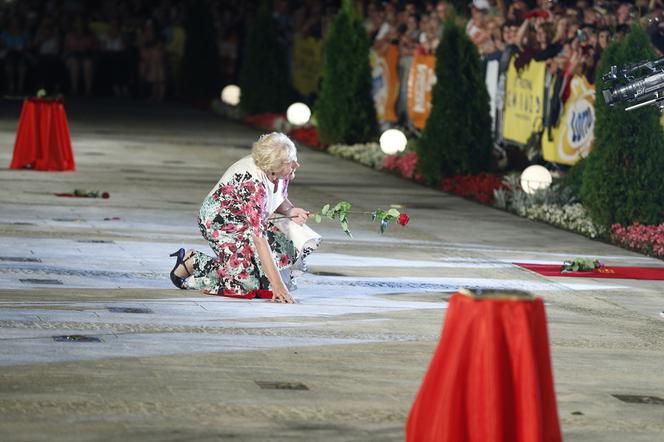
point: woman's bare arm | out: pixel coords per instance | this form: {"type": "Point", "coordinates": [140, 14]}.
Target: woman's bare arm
{"type": "Point", "coordinates": [287, 208]}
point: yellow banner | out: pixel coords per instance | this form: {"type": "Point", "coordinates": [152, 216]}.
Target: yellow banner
{"type": "Point", "coordinates": [306, 64]}
{"type": "Point", "coordinates": [524, 101]}
{"type": "Point", "coordinates": [573, 138]}
{"type": "Point", "coordinates": [385, 79]}
{"type": "Point", "coordinates": [421, 78]}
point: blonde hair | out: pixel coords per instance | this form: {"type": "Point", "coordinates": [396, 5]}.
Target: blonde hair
{"type": "Point", "coordinates": [272, 150]}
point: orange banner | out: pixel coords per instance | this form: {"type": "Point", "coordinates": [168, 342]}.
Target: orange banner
{"type": "Point", "coordinates": [421, 78]}
{"type": "Point", "coordinates": [385, 82]}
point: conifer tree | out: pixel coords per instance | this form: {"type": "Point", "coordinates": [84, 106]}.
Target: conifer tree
{"type": "Point", "coordinates": [623, 178]}
{"type": "Point", "coordinates": [457, 137]}
{"type": "Point", "coordinates": [264, 78]}
{"type": "Point", "coordinates": [345, 108]}
{"type": "Point", "coordinates": [200, 61]}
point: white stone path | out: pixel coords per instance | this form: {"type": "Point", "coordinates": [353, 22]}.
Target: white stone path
{"type": "Point", "coordinates": [174, 325]}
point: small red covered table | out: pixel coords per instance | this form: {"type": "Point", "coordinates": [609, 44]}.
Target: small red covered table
{"type": "Point", "coordinates": [42, 139]}
{"type": "Point", "coordinates": [490, 378]}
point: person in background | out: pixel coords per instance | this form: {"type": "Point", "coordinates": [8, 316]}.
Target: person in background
{"type": "Point", "coordinates": [15, 42]}
{"type": "Point", "coordinates": [50, 70]}
{"type": "Point", "coordinates": [152, 62]}
{"type": "Point", "coordinates": [79, 50]}
{"type": "Point", "coordinates": [114, 58]}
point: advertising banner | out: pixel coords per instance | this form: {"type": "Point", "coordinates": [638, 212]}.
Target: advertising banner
{"type": "Point", "coordinates": [524, 101]}
{"type": "Point", "coordinates": [385, 80]}
{"type": "Point", "coordinates": [306, 64]}
{"type": "Point", "coordinates": [573, 138]}
{"type": "Point", "coordinates": [421, 78]}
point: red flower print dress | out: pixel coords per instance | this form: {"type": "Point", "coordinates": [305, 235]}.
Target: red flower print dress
{"type": "Point", "coordinates": [237, 208]}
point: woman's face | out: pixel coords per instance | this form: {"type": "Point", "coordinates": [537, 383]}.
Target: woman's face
{"type": "Point", "coordinates": [412, 23]}
{"type": "Point", "coordinates": [541, 36]}
{"type": "Point", "coordinates": [288, 171]}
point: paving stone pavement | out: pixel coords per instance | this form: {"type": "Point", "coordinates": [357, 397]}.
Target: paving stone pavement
{"type": "Point", "coordinates": [344, 363]}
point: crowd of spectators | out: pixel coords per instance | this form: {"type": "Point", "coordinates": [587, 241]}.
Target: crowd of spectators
{"type": "Point", "coordinates": [82, 48]}
{"type": "Point", "coordinates": [108, 47]}
{"type": "Point", "coordinates": [567, 35]}
{"type": "Point", "coordinates": [128, 47]}
{"type": "Point", "coordinates": [135, 47]}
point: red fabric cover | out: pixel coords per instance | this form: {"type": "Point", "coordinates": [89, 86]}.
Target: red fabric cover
{"type": "Point", "coordinates": [490, 377]}
{"type": "Point", "coordinates": [646, 273]}
{"type": "Point", "coordinates": [42, 138]}
{"type": "Point", "coordinates": [260, 293]}
{"type": "Point", "coordinates": [263, 294]}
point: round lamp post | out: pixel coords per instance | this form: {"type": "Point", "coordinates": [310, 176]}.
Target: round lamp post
{"type": "Point", "coordinates": [231, 95]}
{"type": "Point", "coordinates": [392, 141]}
{"type": "Point", "coordinates": [534, 178]}
{"type": "Point", "coordinates": [298, 114]}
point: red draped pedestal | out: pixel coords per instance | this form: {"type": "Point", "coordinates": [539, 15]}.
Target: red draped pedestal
{"type": "Point", "coordinates": [42, 138]}
{"type": "Point", "coordinates": [490, 378]}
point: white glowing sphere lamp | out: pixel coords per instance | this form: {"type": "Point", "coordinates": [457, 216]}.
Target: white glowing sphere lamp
{"type": "Point", "coordinates": [231, 95]}
{"type": "Point", "coordinates": [534, 178]}
{"type": "Point", "coordinates": [298, 114]}
{"type": "Point", "coordinates": [392, 141]}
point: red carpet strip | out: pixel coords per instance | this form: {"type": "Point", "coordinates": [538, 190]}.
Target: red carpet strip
{"type": "Point", "coordinates": [645, 273]}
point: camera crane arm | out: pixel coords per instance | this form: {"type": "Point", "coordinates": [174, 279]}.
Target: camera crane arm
{"type": "Point", "coordinates": [641, 90]}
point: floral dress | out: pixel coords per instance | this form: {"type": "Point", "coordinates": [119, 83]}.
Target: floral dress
{"type": "Point", "coordinates": [236, 209]}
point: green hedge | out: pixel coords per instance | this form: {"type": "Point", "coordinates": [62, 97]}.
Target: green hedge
{"type": "Point", "coordinates": [457, 137]}
{"type": "Point", "coordinates": [345, 109]}
{"type": "Point", "coordinates": [623, 178]}
{"type": "Point", "coordinates": [264, 78]}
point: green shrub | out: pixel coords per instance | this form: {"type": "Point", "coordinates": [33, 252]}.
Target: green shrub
{"type": "Point", "coordinates": [199, 71]}
{"type": "Point", "coordinates": [345, 109]}
{"type": "Point", "coordinates": [457, 137]}
{"type": "Point", "coordinates": [623, 178]}
{"type": "Point", "coordinates": [264, 78]}
{"type": "Point", "coordinates": [573, 178]}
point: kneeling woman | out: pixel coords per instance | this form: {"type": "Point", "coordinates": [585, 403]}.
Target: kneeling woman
{"type": "Point", "coordinates": [252, 252]}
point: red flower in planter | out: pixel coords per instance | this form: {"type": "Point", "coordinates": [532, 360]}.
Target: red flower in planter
{"type": "Point", "coordinates": [306, 135]}
{"type": "Point", "coordinates": [265, 121]}
{"type": "Point", "coordinates": [648, 239]}
{"type": "Point", "coordinates": [478, 187]}
{"type": "Point", "coordinates": [403, 219]}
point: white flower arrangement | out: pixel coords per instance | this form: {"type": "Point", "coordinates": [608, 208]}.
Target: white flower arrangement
{"type": "Point", "coordinates": [554, 205]}
{"type": "Point", "coordinates": [368, 154]}
{"type": "Point", "coordinates": [231, 112]}
{"type": "Point", "coordinates": [570, 216]}
{"type": "Point", "coordinates": [282, 125]}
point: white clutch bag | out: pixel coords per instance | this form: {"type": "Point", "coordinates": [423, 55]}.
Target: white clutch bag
{"type": "Point", "coordinates": [304, 238]}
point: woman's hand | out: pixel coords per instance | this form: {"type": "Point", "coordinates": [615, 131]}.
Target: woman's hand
{"type": "Point", "coordinates": [281, 294]}
{"type": "Point", "coordinates": [298, 215]}
{"type": "Point", "coordinates": [279, 291]}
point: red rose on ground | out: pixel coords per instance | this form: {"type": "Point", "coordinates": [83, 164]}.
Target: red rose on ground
{"type": "Point", "coordinates": [105, 195]}
{"type": "Point", "coordinates": [403, 219]}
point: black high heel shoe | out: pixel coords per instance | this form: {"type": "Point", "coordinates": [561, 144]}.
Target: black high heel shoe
{"type": "Point", "coordinates": [178, 281]}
